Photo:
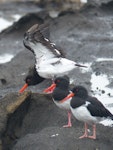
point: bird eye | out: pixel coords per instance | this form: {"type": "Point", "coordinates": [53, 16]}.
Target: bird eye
{"type": "Point", "coordinates": [58, 80]}
{"type": "Point", "coordinates": [28, 80]}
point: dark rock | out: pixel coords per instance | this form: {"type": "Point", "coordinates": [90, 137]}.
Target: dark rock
{"type": "Point", "coordinates": [109, 94]}
{"type": "Point", "coordinates": [99, 3]}
{"type": "Point", "coordinates": [36, 123]}
{"type": "Point", "coordinates": [103, 91]}
{"type": "Point", "coordinates": [61, 139]}
{"type": "Point", "coordinates": [3, 81]}
{"type": "Point", "coordinates": [13, 108]}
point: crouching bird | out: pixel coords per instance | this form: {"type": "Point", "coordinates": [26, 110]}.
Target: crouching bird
{"type": "Point", "coordinates": [87, 109]}
{"type": "Point", "coordinates": [31, 79]}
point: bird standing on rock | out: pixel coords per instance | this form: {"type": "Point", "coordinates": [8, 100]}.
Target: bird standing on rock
{"type": "Point", "coordinates": [60, 89]}
{"type": "Point", "coordinates": [87, 109]}
{"type": "Point", "coordinates": [50, 61]}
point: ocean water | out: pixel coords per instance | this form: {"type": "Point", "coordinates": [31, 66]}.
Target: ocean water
{"type": "Point", "coordinates": [4, 58]}
{"type": "Point", "coordinates": [5, 23]}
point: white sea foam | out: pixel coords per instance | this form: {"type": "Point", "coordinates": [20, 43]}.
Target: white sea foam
{"type": "Point", "coordinates": [16, 17]}
{"type": "Point", "coordinates": [53, 14]}
{"type": "Point", "coordinates": [104, 59]}
{"type": "Point", "coordinates": [88, 67]}
{"type": "Point", "coordinates": [5, 58]}
{"type": "Point", "coordinates": [7, 23]}
{"type": "Point", "coordinates": [83, 1]}
{"type": "Point", "coordinates": [4, 24]}
{"type": "Point", "coordinates": [99, 84]}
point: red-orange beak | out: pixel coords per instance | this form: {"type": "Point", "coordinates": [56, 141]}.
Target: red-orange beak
{"type": "Point", "coordinates": [67, 97]}
{"type": "Point", "coordinates": [50, 89]}
{"type": "Point", "coordinates": [23, 88]}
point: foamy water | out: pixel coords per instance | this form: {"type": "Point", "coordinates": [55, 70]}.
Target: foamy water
{"type": "Point", "coordinates": [83, 1]}
{"type": "Point", "coordinates": [5, 58]}
{"type": "Point", "coordinates": [16, 17]}
{"type": "Point", "coordinates": [104, 59]}
{"type": "Point", "coordinates": [102, 82]}
{"type": "Point", "coordinates": [6, 23]}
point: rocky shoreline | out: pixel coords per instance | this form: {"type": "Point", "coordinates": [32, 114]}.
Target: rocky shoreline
{"type": "Point", "coordinates": [31, 120]}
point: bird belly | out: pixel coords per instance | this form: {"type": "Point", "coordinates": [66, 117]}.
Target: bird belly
{"type": "Point", "coordinates": [82, 114]}
{"type": "Point", "coordinates": [65, 105]}
{"type": "Point", "coordinates": [55, 67]}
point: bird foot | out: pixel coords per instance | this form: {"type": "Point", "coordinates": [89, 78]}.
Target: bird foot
{"type": "Point", "coordinates": [67, 126]}
{"type": "Point", "coordinates": [86, 136]}
{"type": "Point", "coordinates": [83, 136]}
{"type": "Point", "coordinates": [92, 137]}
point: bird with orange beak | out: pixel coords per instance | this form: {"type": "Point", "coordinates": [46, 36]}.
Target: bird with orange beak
{"type": "Point", "coordinates": [87, 109]}
{"type": "Point", "coordinates": [50, 61]}
{"type": "Point", "coordinates": [31, 79]}
{"type": "Point", "coordinates": [60, 89]}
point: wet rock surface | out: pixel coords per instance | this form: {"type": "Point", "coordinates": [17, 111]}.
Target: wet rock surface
{"type": "Point", "coordinates": [13, 108]}
{"type": "Point", "coordinates": [36, 123]}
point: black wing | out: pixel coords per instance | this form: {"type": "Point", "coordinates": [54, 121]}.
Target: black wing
{"type": "Point", "coordinates": [97, 109]}
{"type": "Point", "coordinates": [38, 35]}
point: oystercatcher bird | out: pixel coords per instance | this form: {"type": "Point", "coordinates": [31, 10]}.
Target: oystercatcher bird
{"type": "Point", "coordinates": [50, 61]}
{"type": "Point", "coordinates": [87, 109]}
{"type": "Point", "coordinates": [31, 79]}
{"type": "Point", "coordinates": [60, 89]}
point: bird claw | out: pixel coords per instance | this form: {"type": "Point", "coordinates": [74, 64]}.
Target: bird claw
{"type": "Point", "coordinates": [67, 126]}
{"type": "Point", "coordinates": [83, 136]}
{"type": "Point", "coordinates": [92, 137]}
{"type": "Point", "coordinates": [86, 136]}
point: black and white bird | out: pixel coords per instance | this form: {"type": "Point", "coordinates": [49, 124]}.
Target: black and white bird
{"type": "Point", "coordinates": [60, 89]}
{"type": "Point", "coordinates": [50, 61]}
{"type": "Point", "coordinates": [31, 79]}
{"type": "Point", "coordinates": [87, 109]}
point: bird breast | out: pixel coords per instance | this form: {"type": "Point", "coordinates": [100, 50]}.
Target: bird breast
{"type": "Point", "coordinates": [65, 105]}
{"type": "Point", "coordinates": [82, 114]}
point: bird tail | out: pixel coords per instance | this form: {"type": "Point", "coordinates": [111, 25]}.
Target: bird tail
{"type": "Point", "coordinates": [79, 65]}
{"type": "Point", "coordinates": [112, 117]}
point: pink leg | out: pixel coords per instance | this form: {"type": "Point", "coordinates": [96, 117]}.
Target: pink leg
{"type": "Point", "coordinates": [69, 121]}
{"type": "Point", "coordinates": [94, 133]}
{"type": "Point", "coordinates": [86, 132]}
